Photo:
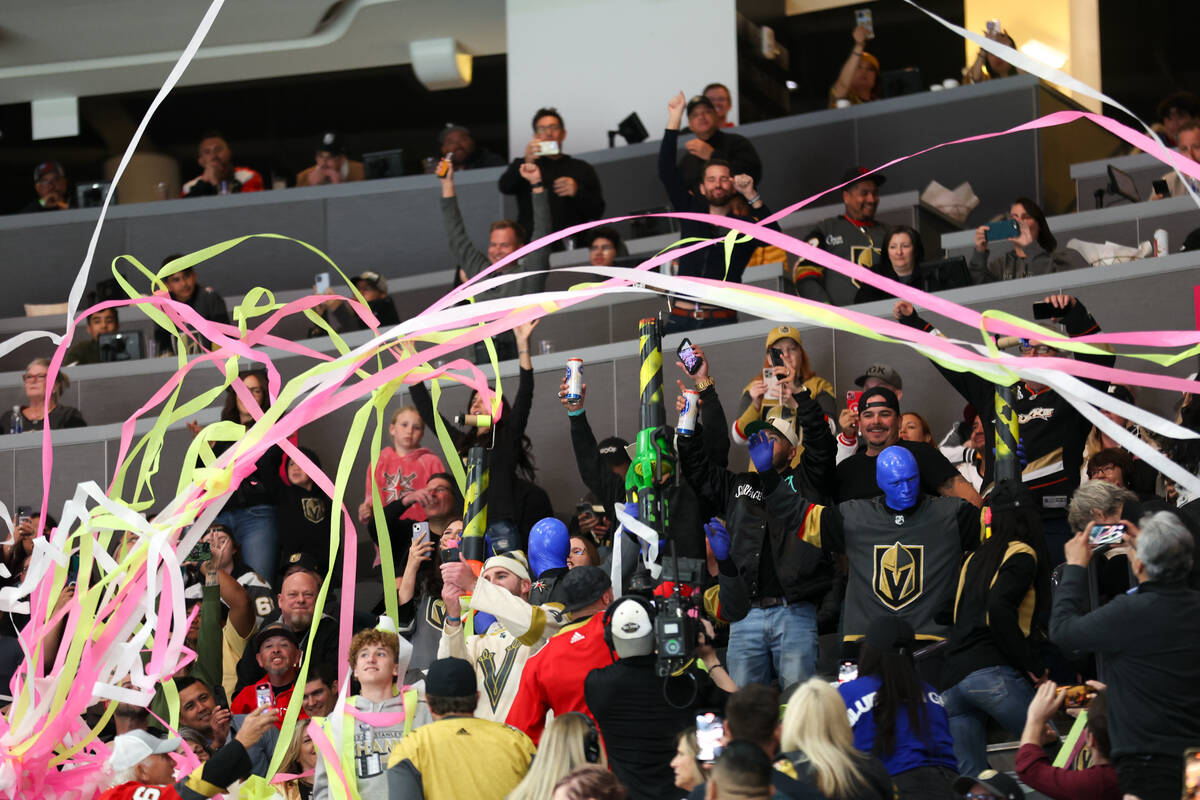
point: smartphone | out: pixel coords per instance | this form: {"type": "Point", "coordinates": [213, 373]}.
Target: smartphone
{"type": "Point", "coordinates": [1045, 311]}
{"type": "Point", "coordinates": [24, 514]}
{"type": "Point", "coordinates": [547, 148]}
{"type": "Point", "coordinates": [691, 361]}
{"type": "Point", "coordinates": [1191, 773]}
{"type": "Point", "coordinates": [777, 357]}
{"type": "Point", "coordinates": [1160, 188]}
{"type": "Point", "coordinates": [1077, 696]}
{"type": "Point", "coordinates": [263, 696]}
{"type": "Point", "coordinates": [449, 555]}
{"type": "Point", "coordinates": [771, 381]}
{"type": "Point", "coordinates": [584, 508]}
{"type": "Point", "coordinates": [218, 693]}
{"type": "Point", "coordinates": [863, 17]}
{"type": "Point", "coordinates": [73, 570]}
{"type": "Point", "coordinates": [321, 283]}
{"type": "Point", "coordinates": [420, 532]}
{"type": "Point", "coordinates": [200, 553]}
{"type": "Point", "coordinates": [710, 729]}
{"type": "Point", "coordinates": [852, 399]}
{"type": "Point", "coordinates": [994, 27]}
{"type": "Point", "coordinates": [1004, 229]}
{"type": "Point", "coordinates": [1106, 534]}
{"type": "Point", "coordinates": [847, 671]}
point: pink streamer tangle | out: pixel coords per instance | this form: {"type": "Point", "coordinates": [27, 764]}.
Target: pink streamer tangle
{"type": "Point", "coordinates": [337, 389]}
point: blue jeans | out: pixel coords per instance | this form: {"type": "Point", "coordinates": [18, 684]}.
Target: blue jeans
{"type": "Point", "coordinates": [256, 530]}
{"type": "Point", "coordinates": [781, 638]}
{"type": "Point", "coordinates": [1001, 693]}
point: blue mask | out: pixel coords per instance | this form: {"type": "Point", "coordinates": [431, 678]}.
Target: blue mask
{"type": "Point", "coordinates": [897, 475]}
{"type": "Point", "coordinates": [549, 544]}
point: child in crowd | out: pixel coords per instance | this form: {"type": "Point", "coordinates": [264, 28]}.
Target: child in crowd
{"type": "Point", "coordinates": [304, 512]}
{"type": "Point", "coordinates": [376, 661]}
{"type": "Point", "coordinates": [403, 468]}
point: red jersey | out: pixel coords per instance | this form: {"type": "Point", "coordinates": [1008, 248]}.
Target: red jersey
{"type": "Point", "coordinates": [398, 474]}
{"type": "Point", "coordinates": [553, 676]}
{"type": "Point", "coordinates": [136, 790]}
{"type": "Point", "coordinates": [247, 700]}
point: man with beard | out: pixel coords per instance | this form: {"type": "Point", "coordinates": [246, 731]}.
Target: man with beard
{"type": "Point", "coordinates": [297, 601]}
{"type": "Point", "coordinates": [879, 426]}
{"type": "Point", "coordinates": [718, 187]}
{"type": "Point", "coordinates": [854, 235]}
{"type": "Point", "coordinates": [277, 651]}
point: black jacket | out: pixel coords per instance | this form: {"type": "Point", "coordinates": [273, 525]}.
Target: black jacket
{"type": "Point", "coordinates": [585, 206]}
{"type": "Point", "coordinates": [639, 714]}
{"type": "Point", "coordinates": [802, 571]}
{"type": "Point", "coordinates": [731, 147]}
{"type": "Point", "coordinates": [1152, 666]}
{"type": "Point", "coordinates": [707, 262]}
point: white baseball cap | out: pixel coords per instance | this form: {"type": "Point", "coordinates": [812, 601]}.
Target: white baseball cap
{"type": "Point", "coordinates": [130, 749]}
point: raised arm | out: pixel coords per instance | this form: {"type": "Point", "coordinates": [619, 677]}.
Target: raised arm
{"type": "Point", "coordinates": [465, 253]}
{"type": "Point", "coordinates": [668, 172]}
{"type": "Point", "coordinates": [841, 87]}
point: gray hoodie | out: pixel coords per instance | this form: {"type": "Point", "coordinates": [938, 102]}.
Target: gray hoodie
{"type": "Point", "coordinates": [372, 745]}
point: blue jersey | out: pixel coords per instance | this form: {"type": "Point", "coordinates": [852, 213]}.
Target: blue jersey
{"type": "Point", "coordinates": [911, 752]}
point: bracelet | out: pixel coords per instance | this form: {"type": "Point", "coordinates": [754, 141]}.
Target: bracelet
{"type": "Point", "coordinates": [755, 199]}
{"type": "Point", "coordinates": [453, 619]}
{"type": "Point", "coordinates": [703, 384]}
{"type": "Point", "coordinates": [575, 413]}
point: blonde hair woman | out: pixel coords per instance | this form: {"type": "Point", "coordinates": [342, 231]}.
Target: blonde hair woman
{"type": "Point", "coordinates": [32, 416]}
{"type": "Point", "coordinates": [300, 758]}
{"type": "Point", "coordinates": [562, 750]}
{"type": "Point", "coordinates": [817, 742]}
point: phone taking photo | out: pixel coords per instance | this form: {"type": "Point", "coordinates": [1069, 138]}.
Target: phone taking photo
{"type": "Point", "coordinates": [547, 148]}
{"type": "Point", "coordinates": [710, 729]}
{"type": "Point", "coordinates": [1160, 188]}
{"type": "Point", "coordinates": [1004, 229]}
{"type": "Point", "coordinates": [1106, 534]}
{"type": "Point", "coordinates": [321, 283]}
{"type": "Point", "coordinates": [1045, 311]}
{"type": "Point", "coordinates": [852, 399]}
{"type": "Point", "coordinates": [864, 18]}
{"type": "Point", "coordinates": [688, 357]}
{"type": "Point", "coordinates": [420, 532]}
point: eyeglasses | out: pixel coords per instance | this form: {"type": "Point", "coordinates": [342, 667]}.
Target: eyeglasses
{"type": "Point", "coordinates": [1104, 469]}
{"type": "Point", "coordinates": [544, 129]}
{"type": "Point", "coordinates": [1037, 349]}
{"type": "Point", "coordinates": [29, 377]}
{"type": "Point", "coordinates": [439, 489]}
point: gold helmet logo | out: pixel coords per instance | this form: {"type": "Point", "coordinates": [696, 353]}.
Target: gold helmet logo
{"type": "Point", "coordinates": [899, 574]}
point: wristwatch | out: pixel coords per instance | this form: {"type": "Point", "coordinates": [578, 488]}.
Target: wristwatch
{"type": "Point", "coordinates": [704, 383]}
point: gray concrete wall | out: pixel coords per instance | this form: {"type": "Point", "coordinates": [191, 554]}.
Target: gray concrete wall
{"type": "Point", "coordinates": [394, 226]}
{"type": "Point", "coordinates": [1148, 295]}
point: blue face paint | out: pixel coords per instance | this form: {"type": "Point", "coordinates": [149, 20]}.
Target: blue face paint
{"type": "Point", "coordinates": [549, 544]}
{"type": "Point", "coordinates": [896, 474]}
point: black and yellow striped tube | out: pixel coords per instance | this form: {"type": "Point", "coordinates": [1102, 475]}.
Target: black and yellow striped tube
{"type": "Point", "coordinates": [1008, 434]}
{"type": "Point", "coordinates": [650, 381]}
{"type": "Point", "coordinates": [474, 546]}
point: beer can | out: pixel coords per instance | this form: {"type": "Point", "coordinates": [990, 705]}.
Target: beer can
{"type": "Point", "coordinates": [1160, 242]}
{"type": "Point", "coordinates": [687, 417]}
{"type": "Point", "coordinates": [574, 379]}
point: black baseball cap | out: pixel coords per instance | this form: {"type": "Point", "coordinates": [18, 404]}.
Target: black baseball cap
{"type": "Point", "coordinates": [331, 143]}
{"type": "Point", "coordinates": [274, 629]}
{"type": "Point", "coordinates": [612, 451]}
{"type": "Point", "coordinates": [855, 174]}
{"type": "Point", "coordinates": [882, 372]}
{"type": "Point", "coordinates": [886, 397]}
{"type": "Point", "coordinates": [582, 586]}
{"type": "Point", "coordinates": [450, 677]}
{"type": "Point", "coordinates": [998, 783]}
{"type": "Point", "coordinates": [700, 100]}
